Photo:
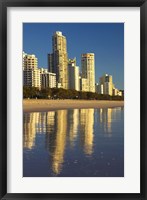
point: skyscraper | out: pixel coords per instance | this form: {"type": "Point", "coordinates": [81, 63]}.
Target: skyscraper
{"type": "Point", "coordinates": [58, 59]}
{"type": "Point", "coordinates": [73, 75]}
{"type": "Point", "coordinates": [88, 72]}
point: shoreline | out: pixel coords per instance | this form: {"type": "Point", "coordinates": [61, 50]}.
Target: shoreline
{"type": "Point", "coordinates": [45, 105]}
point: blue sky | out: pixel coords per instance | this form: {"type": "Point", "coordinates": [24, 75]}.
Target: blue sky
{"type": "Point", "coordinates": [105, 40]}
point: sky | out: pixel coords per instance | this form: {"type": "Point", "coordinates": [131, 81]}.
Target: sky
{"type": "Point", "coordinates": [105, 40]}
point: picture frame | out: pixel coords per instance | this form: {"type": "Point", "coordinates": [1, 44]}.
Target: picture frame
{"type": "Point", "coordinates": [4, 101]}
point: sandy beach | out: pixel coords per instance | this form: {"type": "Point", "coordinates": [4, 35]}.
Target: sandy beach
{"type": "Point", "coordinates": [39, 105]}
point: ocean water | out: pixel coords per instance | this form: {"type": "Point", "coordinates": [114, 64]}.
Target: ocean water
{"type": "Point", "coordinates": [74, 143]}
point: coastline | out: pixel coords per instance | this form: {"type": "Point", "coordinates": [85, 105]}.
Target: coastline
{"type": "Point", "coordinates": [44, 105]}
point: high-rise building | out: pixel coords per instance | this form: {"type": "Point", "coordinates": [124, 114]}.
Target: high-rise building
{"type": "Point", "coordinates": [31, 73]}
{"type": "Point", "coordinates": [96, 87]}
{"type": "Point", "coordinates": [58, 59]}
{"type": "Point", "coordinates": [50, 63]}
{"type": "Point", "coordinates": [48, 79]}
{"type": "Point", "coordinates": [88, 72]}
{"type": "Point", "coordinates": [84, 84]}
{"type": "Point", "coordinates": [73, 75]}
{"type": "Point", "coordinates": [106, 85]}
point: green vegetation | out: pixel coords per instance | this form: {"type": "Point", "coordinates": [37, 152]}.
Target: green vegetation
{"type": "Point", "coordinates": [59, 93]}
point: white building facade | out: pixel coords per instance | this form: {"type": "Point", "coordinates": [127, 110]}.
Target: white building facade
{"type": "Point", "coordinates": [58, 59]}
{"type": "Point", "coordinates": [73, 74]}
{"type": "Point", "coordinates": [48, 79]}
{"type": "Point", "coordinates": [88, 72]}
{"type": "Point", "coordinates": [107, 87]}
{"type": "Point", "coordinates": [31, 73]}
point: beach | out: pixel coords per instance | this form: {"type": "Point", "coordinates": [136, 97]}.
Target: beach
{"type": "Point", "coordinates": [43, 105]}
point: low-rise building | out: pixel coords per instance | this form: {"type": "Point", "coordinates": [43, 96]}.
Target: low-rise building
{"type": "Point", "coordinates": [48, 79]}
{"type": "Point", "coordinates": [31, 73]}
{"type": "Point", "coordinates": [31, 78]}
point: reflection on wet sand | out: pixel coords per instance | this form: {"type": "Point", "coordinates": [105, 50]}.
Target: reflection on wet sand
{"type": "Point", "coordinates": [62, 127]}
{"type": "Point", "coordinates": [60, 141]}
{"type": "Point", "coordinates": [73, 125]}
{"type": "Point", "coordinates": [29, 129]}
{"type": "Point", "coordinates": [106, 120]}
{"type": "Point", "coordinates": [87, 122]}
{"type": "Point", "coordinates": [106, 117]}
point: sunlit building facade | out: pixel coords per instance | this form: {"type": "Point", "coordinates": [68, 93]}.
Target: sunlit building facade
{"type": "Point", "coordinates": [84, 84]}
{"type": "Point", "coordinates": [31, 73]}
{"type": "Point", "coordinates": [88, 71]}
{"type": "Point", "coordinates": [117, 92]}
{"type": "Point", "coordinates": [106, 85]}
{"type": "Point", "coordinates": [48, 79]}
{"type": "Point", "coordinates": [58, 59]}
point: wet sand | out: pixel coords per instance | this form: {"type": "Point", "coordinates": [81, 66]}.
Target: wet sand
{"type": "Point", "coordinates": [39, 105]}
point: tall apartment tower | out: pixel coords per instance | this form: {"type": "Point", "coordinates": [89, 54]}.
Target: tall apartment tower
{"type": "Point", "coordinates": [31, 73]}
{"type": "Point", "coordinates": [106, 83]}
{"type": "Point", "coordinates": [58, 59]}
{"type": "Point", "coordinates": [73, 75]}
{"type": "Point", "coordinates": [88, 72]}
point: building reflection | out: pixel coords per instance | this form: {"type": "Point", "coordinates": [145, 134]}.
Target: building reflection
{"type": "Point", "coordinates": [73, 125]}
{"type": "Point", "coordinates": [50, 121]}
{"type": "Point", "coordinates": [41, 126]}
{"type": "Point", "coordinates": [36, 123]}
{"type": "Point", "coordinates": [58, 127]}
{"type": "Point", "coordinates": [29, 129]}
{"type": "Point", "coordinates": [58, 155]}
{"type": "Point", "coordinates": [105, 115]}
{"type": "Point", "coordinates": [57, 143]}
{"type": "Point", "coordinates": [87, 123]}
{"type": "Point", "coordinates": [56, 140]}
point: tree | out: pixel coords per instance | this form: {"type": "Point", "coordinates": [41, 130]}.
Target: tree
{"type": "Point", "coordinates": [45, 93]}
{"type": "Point", "coordinates": [30, 92]}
